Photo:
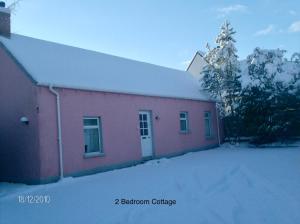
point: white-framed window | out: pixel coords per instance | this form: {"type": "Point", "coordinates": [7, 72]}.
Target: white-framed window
{"type": "Point", "coordinates": [92, 135]}
{"type": "Point", "coordinates": [184, 123]}
{"type": "Point", "coordinates": [207, 124]}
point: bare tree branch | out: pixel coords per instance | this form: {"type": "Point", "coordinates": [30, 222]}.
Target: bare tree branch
{"type": "Point", "coordinates": [13, 6]}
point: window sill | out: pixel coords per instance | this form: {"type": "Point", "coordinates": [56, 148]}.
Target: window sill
{"type": "Point", "coordinates": [185, 132]}
{"type": "Point", "coordinates": [93, 154]}
{"type": "Point", "coordinates": [209, 137]}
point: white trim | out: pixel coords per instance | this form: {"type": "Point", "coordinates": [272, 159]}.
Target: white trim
{"type": "Point", "coordinates": [90, 126]}
{"type": "Point", "coordinates": [186, 119]}
{"type": "Point", "coordinates": [93, 154]}
{"type": "Point", "coordinates": [209, 118]}
{"type": "Point", "coordinates": [150, 131]}
{"type": "Point", "coordinates": [130, 93]}
{"type": "Point", "coordinates": [100, 150]}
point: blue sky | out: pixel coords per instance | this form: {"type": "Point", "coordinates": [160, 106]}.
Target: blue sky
{"type": "Point", "coordinates": [163, 32]}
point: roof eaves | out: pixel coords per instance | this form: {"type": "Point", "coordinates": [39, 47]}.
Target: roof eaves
{"type": "Point", "coordinates": [127, 93]}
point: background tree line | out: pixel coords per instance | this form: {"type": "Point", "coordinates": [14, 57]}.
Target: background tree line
{"type": "Point", "coordinates": [258, 97]}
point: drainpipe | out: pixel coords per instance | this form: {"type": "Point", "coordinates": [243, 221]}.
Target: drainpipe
{"type": "Point", "coordinates": [61, 165]}
{"type": "Point", "coordinates": [218, 126]}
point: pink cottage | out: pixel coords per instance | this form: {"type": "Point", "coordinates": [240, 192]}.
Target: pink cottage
{"type": "Point", "coordinates": [67, 111]}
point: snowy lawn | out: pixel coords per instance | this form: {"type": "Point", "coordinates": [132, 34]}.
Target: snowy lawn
{"type": "Point", "coordinates": [224, 185]}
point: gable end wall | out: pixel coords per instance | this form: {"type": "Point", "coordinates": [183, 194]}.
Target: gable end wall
{"type": "Point", "coordinates": [19, 144]}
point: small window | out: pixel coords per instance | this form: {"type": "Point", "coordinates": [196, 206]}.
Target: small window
{"type": "Point", "coordinates": [183, 117]}
{"type": "Point", "coordinates": [92, 135]}
{"type": "Point", "coordinates": [207, 123]}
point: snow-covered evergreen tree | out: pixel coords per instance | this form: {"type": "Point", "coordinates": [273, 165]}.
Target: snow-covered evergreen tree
{"type": "Point", "coordinates": [296, 58]}
{"type": "Point", "coordinates": [270, 106]}
{"type": "Point", "coordinates": [221, 74]}
{"type": "Point", "coordinates": [264, 66]}
{"type": "Point", "coordinates": [220, 77]}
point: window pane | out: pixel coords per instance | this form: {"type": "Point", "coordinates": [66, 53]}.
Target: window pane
{"type": "Point", "coordinates": [144, 117]}
{"type": "Point", "coordinates": [183, 115]}
{"type": "Point", "coordinates": [207, 124]}
{"type": "Point", "coordinates": [145, 124]}
{"type": "Point", "coordinates": [141, 117]}
{"type": "Point", "coordinates": [141, 132]}
{"type": "Point", "coordinates": [145, 131]}
{"type": "Point", "coordinates": [91, 140]}
{"type": "Point", "coordinates": [141, 124]}
{"type": "Point", "coordinates": [183, 126]}
{"type": "Point", "coordinates": [207, 114]}
{"type": "Point", "coordinates": [207, 127]}
{"type": "Point", "coordinates": [88, 122]}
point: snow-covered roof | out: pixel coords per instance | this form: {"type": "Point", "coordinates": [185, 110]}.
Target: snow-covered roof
{"type": "Point", "coordinates": [64, 66]}
{"type": "Point", "coordinates": [6, 10]}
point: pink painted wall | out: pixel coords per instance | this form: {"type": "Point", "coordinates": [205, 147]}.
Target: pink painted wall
{"type": "Point", "coordinates": [19, 155]}
{"type": "Point", "coordinates": [29, 153]}
{"type": "Point", "coordinates": [119, 115]}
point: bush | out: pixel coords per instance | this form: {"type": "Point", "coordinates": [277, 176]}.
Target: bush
{"type": "Point", "coordinates": [270, 114]}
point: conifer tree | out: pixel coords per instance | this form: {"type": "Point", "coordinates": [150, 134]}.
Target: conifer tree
{"type": "Point", "coordinates": [221, 77]}
{"type": "Point", "coordinates": [269, 107]}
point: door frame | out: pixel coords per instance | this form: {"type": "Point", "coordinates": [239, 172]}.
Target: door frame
{"type": "Point", "coordinates": [152, 135]}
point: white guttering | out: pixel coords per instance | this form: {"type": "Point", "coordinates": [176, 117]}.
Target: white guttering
{"type": "Point", "coordinates": [77, 87]}
{"type": "Point", "coordinates": [218, 125]}
{"type": "Point", "coordinates": [61, 165]}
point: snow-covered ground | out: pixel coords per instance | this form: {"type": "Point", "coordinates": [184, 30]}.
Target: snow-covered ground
{"type": "Point", "coordinates": [224, 185]}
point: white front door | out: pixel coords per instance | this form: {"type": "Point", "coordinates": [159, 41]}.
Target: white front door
{"type": "Point", "coordinates": [145, 133]}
